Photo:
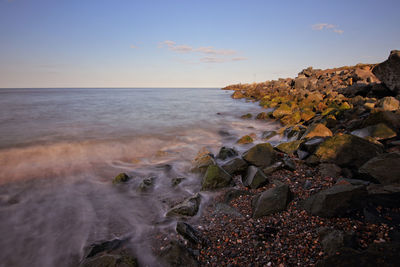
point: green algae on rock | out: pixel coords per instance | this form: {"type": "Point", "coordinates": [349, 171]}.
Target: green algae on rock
{"type": "Point", "coordinates": [121, 178]}
{"type": "Point", "coordinates": [215, 177]}
{"type": "Point", "coordinates": [260, 155]}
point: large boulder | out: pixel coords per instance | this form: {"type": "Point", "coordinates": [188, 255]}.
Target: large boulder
{"type": "Point", "coordinates": [235, 166]}
{"type": "Point", "coordinates": [337, 200]}
{"type": "Point", "coordinates": [176, 254]}
{"type": "Point", "coordinates": [384, 168]}
{"type": "Point", "coordinates": [388, 103]}
{"type": "Point", "coordinates": [215, 177]}
{"type": "Point", "coordinates": [289, 147]}
{"type": "Point", "coordinates": [261, 155]}
{"type": "Point", "coordinates": [255, 178]}
{"type": "Point", "coordinates": [317, 130]}
{"type": "Point", "coordinates": [189, 207]}
{"type": "Point", "coordinates": [389, 118]}
{"type": "Point", "coordinates": [270, 201]}
{"type": "Point", "coordinates": [389, 71]}
{"type": "Point", "coordinates": [378, 131]}
{"type": "Point", "coordinates": [347, 150]}
{"type": "Point", "coordinates": [281, 111]}
{"type": "Point", "coordinates": [226, 152]}
{"type": "Point", "coordinates": [203, 159]}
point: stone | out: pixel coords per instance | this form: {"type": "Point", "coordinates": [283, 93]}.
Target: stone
{"type": "Point", "coordinates": [281, 111]}
{"type": "Point", "coordinates": [301, 83]}
{"type": "Point", "coordinates": [389, 71]}
{"type": "Point", "coordinates": [392, 120]}
{"type": "Point", "coordinates": [189, 207]}
{"type": "Point", "coordinates": [215, 178]}
{"type": "Point", "coordinates": [177, 180]}
{"type": "Point", "coordinates": [384, 168]}
{"type": "Point", "coordinates": [238, 95]}
{"type": "Point", "coordinates": [347, 150]}
{"type": "Point", "coordinates": [260, 155]}
{"type": "Point", "coordinates": [226, 152]}
{"type": "Point", "coordinates": [289, 164]}
{"type": "Point", "coordinates": [189, 233]}
{"type": "Point", "coordinates": [337, 200]}
{"type": "Point", "coordinates": [271, 201]}
{"type": "Point", "coordinates": [203, 159]}
{"type": "Point", "coordinates": [255, 178]}
{"type": "Point", "coordinates": [317, 130]}
{"type": "Point", "coordinates": [329, 170]}
{"type": "Point", "coordinates": [307, 114]}
{"type": "Point", "coordinates": [289, 147]}
{"type": "Point", "coordinates": [121, 178]}
{"type": "Point", "coordinates": [146, 183]}
{"type": "Point", "coordinates": [272, 168]}
{"type": "Point", "coordinates": [246, 116]}
{"type": "Point", "coordinates": [235, 166]}
{"type": "Point", "coordinates": [378, 132]}
{"type": "Point", "coordinates": [175, 254]}
{"type": "Point", "coordinates": [388, 103]}
{"type": "Point", "coordinates": [333, 240]}
{"type": "Point", "coordinates": [268, 135]}
{"type": "Point", "coordinates": [247, 139]}
{"type": "Point", "coordinates": [262, 116]}
{"type": "Point", "coordinates": [311, 144]}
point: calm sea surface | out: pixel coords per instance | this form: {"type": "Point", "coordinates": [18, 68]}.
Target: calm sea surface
{"type": "Point", "coordinates": [61, 148]}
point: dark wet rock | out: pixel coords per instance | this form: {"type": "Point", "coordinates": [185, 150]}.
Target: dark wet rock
{"type": "Point", "coordinates": [288, 164]}
{"type": "Point", "coordinates": [246, 139]}
{"type": "Point", "coordinates": [342, 180]}
{"type": "Point", "coordinates": [307, 184]}
{"type": "Point", "coordinates": [226, 152]}
{"type": "Point", "coordinates": [389, 71]}
{"type": "Point", "coordinates": [246, 116]}
{"type": "Point", "coordinates": [383, 254]}
{"type": "Point", "coordinates": [189, 233]}
{"type": "Point", "coordinates": [121, 178]}
{"type": "Point", "coordinates": [347, 150]}
{"type": "Point", "coordinates": [188, 207]}
{"type": "Point", "coordinates": [384, 168]}
{"type": "Point", "coordinates": [379, 196]}
{"type": "Point", "coordinates": [261, 155]}
{"type": "Point", "coordinates": [329, 170]}
{"type": "Point", "coordinates": [216, 177]}
{"type": "Point", "coordinates": [177, 255]}
{"type": "Point", "coordinates": [225, 209]}
{"type": "Point", "coordinates": [392, 120]}
{"type": "Point", "coordinates": [235, 193]}
{"type": "Point", "coordinates": [335, 201]}
{"type": "Point", "coordinates": [289, 147]}
{"type": "Point", "coordinates": [262, 116]}
{"type": "Point", "coordinates": [302, 154]}
{"type": "Point", "coordinates": [177, 180]}
{"type": "Point", "coordinates": [295, 132]}
{"type": "Point", "coordinates": [270, 201]}
{"type": "Point", "coordinates": [272, 168]}
{"type": "Point", "coordinates": [204, 158]}
{"type": "Point", "coordinates": [333, 240]}
{"type": "Point", "coordinates": [378, 132]}
{"type": "Point", "coordinates": [146, 183]}
{"type": "Point", "coordinates": [109, 253]}
{"type": "Point", "coordinates": [255, 178]}
{"type": "Point", "coordinates": [235, 166]}
{"type": "Point", "coordinates": [317, 130]}
{"type": "Point", "coordinates": [268, 135]}
{"type": "Point", "coordinates": [388, 103]}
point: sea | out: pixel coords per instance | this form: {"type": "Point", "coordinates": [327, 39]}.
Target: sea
{"type": "Point", "coordinates": [61, 148]}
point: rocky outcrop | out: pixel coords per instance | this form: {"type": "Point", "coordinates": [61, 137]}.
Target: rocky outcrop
{"type": "Point", "coordinates": [188, 207]}
{"type": "Point", "coordinates": [389, 71]}
{"type": "Point", "coordinates": [270, 201]}
{"type": "Point", "coordinates": [388, 103]}
{"type": "Point", "coordinates": [215, 177]}
{"type": "Point", "coordinates": [384, 168]}
{"type": "Point", "coordinates": [261, 155]}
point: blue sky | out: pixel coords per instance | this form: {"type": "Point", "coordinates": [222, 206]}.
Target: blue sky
{"type": "Point", "coordinates": [184, 43]}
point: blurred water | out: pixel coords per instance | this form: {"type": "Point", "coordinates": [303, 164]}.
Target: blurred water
{"type": "Point", "coordinates": [60, 149]}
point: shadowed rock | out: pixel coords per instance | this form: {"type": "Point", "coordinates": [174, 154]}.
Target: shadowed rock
{"type": "Point", "coordinates": [255, 178]}
{"type": "Point", "coordinates": [261, 155]}
{"type": "Point", "coordinates": [215, 178]}
{"type": "Point", "coordinates": [389, 71]}
{"type": "Point", "coordinates": [384, 168]}
{"type": "Point", "coordinates": [270, 201]}
{"type": "Point", "coordinates": [188, 207]}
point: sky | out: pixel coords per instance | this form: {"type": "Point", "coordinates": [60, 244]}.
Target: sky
{"type": "Point", "coordinates": [185, 43]}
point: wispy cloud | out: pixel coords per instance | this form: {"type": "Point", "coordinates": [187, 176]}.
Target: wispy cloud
{"type": "Point", "coordinates": [212, 55]}
{"type": "Point", "coordinates": [133, 46]}
{"type": "Point", "coordinates": [326, 26]}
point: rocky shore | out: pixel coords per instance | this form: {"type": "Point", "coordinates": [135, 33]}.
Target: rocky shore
{"type": "Point", "coordinates": [329, 195]}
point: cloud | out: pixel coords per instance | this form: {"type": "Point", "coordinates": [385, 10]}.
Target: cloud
{"type": "Point", "coordinates": [210, 59]}
{"type": "Point", "coordinates": [326, 26]}
{"type": "Point", "coordinates": [211, 51]}
{"type": "Point", "coordinates": [239, 58]}
{"type": "Point", "coordinates": [133, 46]}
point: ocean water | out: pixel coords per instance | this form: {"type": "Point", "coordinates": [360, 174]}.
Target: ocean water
{"type": "Point", "coordinates": [61, 148]}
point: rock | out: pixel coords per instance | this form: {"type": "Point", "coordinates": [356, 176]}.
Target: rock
{"type": "Point", "coordinates": [311, 145]}
{"type": "Point", "coordinates": [177, 255]}
{"type": "Point", "coordinates": [203, 159]}
{"type": "Point", "coordinates": [270, 201]}
{"type": "Point", "coordinates": [255, 178]}
{"type": "Point", "coordinates": [238, 95]}
{"type": "Point", "coordinates": [146, 183]}
{"type": "Point", "coordinates": [289, 164]}
{"type": "Point", "coordinates": [235, 193]}
{"type": "Point", "coordinates": [388, 103]}
{"type": "Point", "coordinates": [189, 207]}
{"type": "Point", "coordinates": [294, 118]}
{"type": "Point", "coordinates": [347, 150]}
{"type": "Point", "coordinates": [317, 130]}
{"type": "Point", "coordinates": [300, 83]}
{"type": "Point", "coordinates": [392, 120]}
{"type": "Point", "coordinates": [335, 201]}
{"type": "Point", "coordinates": [329, 170]}
{"type": "Point", "coordinates": [272, 168]}
{"type": "Point", "coordinates": [302, 154]}
{"type": "Point", "coordinates": [226, 152]}
{"type": "Point", "coordinates": [384, 168]}
{"type": "Point", "coordinates": [121, 178]}
{"type": "Point", "coordinates": [246, 116]}
{"type": "Point", "coordinates": [389, 71]}
{"type": "Point", "coordinates": [307, 114]}
{"type": "Point", "coordinates": [307, 184]}
{"type": "Point", "coordinates": [261, 155]}
{"type": "Point", "coordinates": [262, 116]}
{"type": "Point", "coordinates": [342, 180]}
{"type": "Point", "coordinates": [379, 196]}
{"type": "Point", "coordinates": [268, 135]}
{"type": "Point", "coordinates": [333, 240]}
{"type": "Point", "coordinates": [109, 253]}
{"type": "Point", "coordinates": [189, 233]}
{"type": "Point", "coordinates": [378, 131]}
{"type": "Point", "coordinates": [215, 177]}
{"type": "Point", "coordinates": [281, 111]}
{"type": "Point", "coordinates": [235, 166]}
{"type": "Point", "coordinates": [177, 180]}
{"type": "Point", "coordinates": [289, 147]}
{"type": "Point", "coordinates": [247, 139]}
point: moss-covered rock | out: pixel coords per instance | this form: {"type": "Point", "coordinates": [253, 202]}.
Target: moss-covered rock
{"type": "Point", "coordinates": [247, 139]}
{"type": "Point", "coordinates": [317, 130]}
{"type": "Point", "coordinates": [261, 155]}
{"type": "Point", "coordinates": [379, 131]}
{"type": "Point", "coordinates": [247, 116]}
{"type": "Point", "coordinates": [347, 150]}
{"type": "Point", "coordinates": [226, 152]}
{"type": "Point", "coordinates": [215, 177]}
{"type": "Point", "coordinates": [203, 159]}
{"type": "Point", "coordinates": [189, 207]}
{"type": "Point", "coordinates": [291, 119]}
{"type": "Point", "coordinates": [307, 114]}
{"type": "Point", "coordinates": [268, 135]}
{"type": "Point", "coordinates": [262, 116]}
{"type": "Point", "coordinates": [392, 120]}
{"type": "Point", "coordinates": [289, 147]}
{"type": "Point", "coordinates": [282, 110]}
{"type": "Point", "coordinates": [121, 178]}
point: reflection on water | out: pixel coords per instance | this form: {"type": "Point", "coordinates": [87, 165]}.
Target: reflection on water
{"type": "Point", "coordinates": [59, 150]}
